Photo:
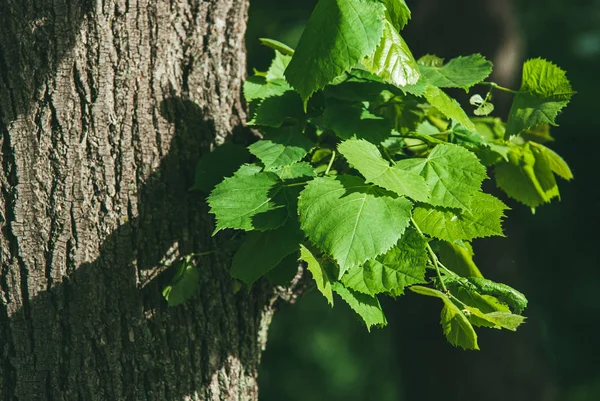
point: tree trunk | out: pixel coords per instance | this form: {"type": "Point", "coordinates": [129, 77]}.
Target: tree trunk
{"type": "Point", "coordinates": [105, 106]}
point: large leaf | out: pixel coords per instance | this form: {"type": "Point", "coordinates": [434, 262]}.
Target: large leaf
{"type": "Point", "coordinates": [448, 106]}
{"type": "Point", "coordinates": [452, 173]}
{"type": "Point", "coordinates": [366, 158]}
{"type": "Point", "coordinates": [545, 90]}
{"type": "Point", "coordinates": [337, 36]}
{"type": "Point", "coordinates": [344, 218]}
{"type": "Point", "coordinates": [321, 270]}
{"type": "Point", "coordinates": [401, 266]}
{"type": "Point", "coordinates": [262, 251]}
{"type": "Point", "coordinates": [461, 72]}
{"type": "Point", "coordinates": [482, 219]}
{"type": "Point", "coordinates": [281, 147]}
{"type": "Point", "coordinates": [366, 306]}
{"type": "Point", "coordinates": [392, 60]}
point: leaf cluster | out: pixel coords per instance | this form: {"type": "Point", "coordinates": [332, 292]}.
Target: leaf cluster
{"type": "Point", "coordinates": [371, 174]}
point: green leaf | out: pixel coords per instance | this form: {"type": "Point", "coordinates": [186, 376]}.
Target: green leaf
{"type": "Point", "coordinates": [237, 201]}
{"type": "Point", "coordinates": [460, 72]}
{"type": "Point", "coordinates": [184, 285]}
{"type": "Point", "coordinates": [344, 218]}
{"type": "Point", "coordinates": [482, 219]}
{"type": "Point", "coordinates": [349, 120]}
{"type": "Point", "coordinates": [323, 272]}
{"type": "Point", "coordinates": [513, 298]}
{"type": "Point", "coordinates": [218, 164]}
{"type": "Point", "coordinates": [484, 108]}
{"type": "Point", "coordinates": [276, 45]}
{"type": "Point", "coordinates": [337, 36]}
{"type": "Point", "coordinates": [455, 325]}
{"type": "Point", "coordinates": [366, 158]}
{"type": "Point", "coordinates": [262, 251]}
{"type": "Point", "coordinates": [448, 106]}
{"type": "Point", "coordinates": [281, 147]}
{"type": "Point", "coordinates": [276, 110]}
{"type": "Point", "coordinates": [400, 267]}
{"type": "Point", "coordinates": [457, 328]}
{"type": "Point", "coordinates": [278, 66]}
{"type": "Point", "coordinates": [258, 88]}
{"type": "Point", "coordinates": [247, 170]}
{"type": "Point", "coordinates": [366, 306]}
{"type": "Point", "coordinates": [392, 60]}
{"type": "Point", "coordinates": [527, 176]}
{"type": "Point", "coordinates": [398, 12]}
{"type": "Point", "coordinates": [285, 271]}
{"type": "Point", "coordinates": [452, 173]}
{"type": "Point", "coordinates": [545, 90]}
{"type": "Point", "coordinates": [295, 171]}
{"type": "Point", "coordinates": [458, 257]}
{"type": "Point", "coordinates": [557, 163]}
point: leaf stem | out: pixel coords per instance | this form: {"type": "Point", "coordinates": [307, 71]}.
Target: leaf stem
{"type": "Point", "coordinates": [496, 86]}
{"type": "Point", "coordinates": [330, 163]}
{"type": "Point", "coordinates": [432, 256]}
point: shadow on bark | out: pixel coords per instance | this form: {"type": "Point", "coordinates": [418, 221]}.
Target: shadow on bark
{"type": "Point", "coordinates": [105, 333]}
{"type": "Point", "coordinates": [36, 36]}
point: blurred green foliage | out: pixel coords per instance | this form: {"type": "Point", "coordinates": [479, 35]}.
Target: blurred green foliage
{"type": "Point", "coordinates": [315, 353]}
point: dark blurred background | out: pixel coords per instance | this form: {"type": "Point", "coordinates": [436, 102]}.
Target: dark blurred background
{"type": "Point", "coordinates": [316, 353]}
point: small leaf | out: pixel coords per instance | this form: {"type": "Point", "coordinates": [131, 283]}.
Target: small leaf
{"type": "Point", "coordinates": [503, 292]}
{"type": "Point", "coordinates": [343, 217]}
{"type": "Point", "coordinates": [218, 164]}
{"type": "Point", "coordinates": [452, 173]}
{"type": "Point", "coordinates": [366, 306]}
{"type": "Point", "coordinates": [276, 45]}
{"type": "Point", "coordinates": [400, 267]}
{"type": "Point", "coordinates": [392, 60]}
{"type": "Point", "coordinates": [460, 72]}
{"type": "Point", "coordinates": [258, 88]}
{"type": "Point", "coordinates": [455, 325]}
{"type": "Point", "coordinates": [321, 270]}
{"type": "Point", "coordinates": [527, 176]}
{"type": "Point", "coordinates": [278, 66]}
{"type": "Point", "coordinates": [448, 106]}
{"type": "Point", "coordinates": [276, 110]}
{"type": "Point", "coordinates": [349, 120]}
{"type": "Point", "coordinates": [482, 219]}
{"type": "Point", "coordinates": [184, 284]}
{"type": "Point", "coordinates": [337, 36]}
{"type": "Point", "coordinates": [458, 258]}
{"type": "Point", "coordinates": [457, 328]}
{"type": "Point", "coordinates": [281, 147]}
{"type": "Point", "coordinates": [237, 200]}
{"type": "Point", "coordinates": [262, 251]}
{"type": "Point", "coordinates": [366, 158]}
{"type": "Point", "coordinates": [545, 90]}
{"type": "Point", "coordinates": [295, 171]}
{"type": "Point", "coordinates": [398, 12]}
{"type": "Point", "coordinates": [557, 163]}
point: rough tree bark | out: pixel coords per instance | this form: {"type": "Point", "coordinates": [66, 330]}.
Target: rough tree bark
{"type": "Point", "coordinates": [105, 106]}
